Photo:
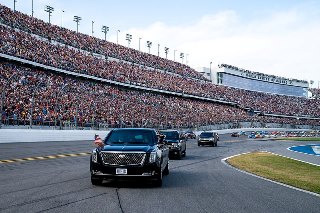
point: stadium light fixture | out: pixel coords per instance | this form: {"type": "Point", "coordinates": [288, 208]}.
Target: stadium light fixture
{"type": "Point", "coordinates": [149, 44]}
{"type": "Point", "coordinates": [128, 38]}
{"type": "Point", "coordinates": [32, 8]}
{"type": "Point", "coordinates": [49, 9]}
{"type": "Point", "coordinates": [62, 12]}
{"type": "Point", "coordinates": [139, 43]}
{"type": "Point", "coordinates": [77, 19]}
{"type": "Point", "coordinates": [166, 50]}
{"type": "Point", "coordinates": [92, 22]}
{"type": "Point", "coordinates": [105, 30]}
{"type": "Point", "coordinates": [158, 49]}
{"type": "Point", "coordinates": [182, 56]}
{"type": "Point", "coordinates": [210, 71]}
{"type": "Point", "coordinates": [14, 5]}
{"type": "Point", "coordinates": [118, 31]}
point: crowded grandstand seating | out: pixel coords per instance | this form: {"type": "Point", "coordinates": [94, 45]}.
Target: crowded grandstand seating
{"type": "Point", "coordinates": [73, 100]}
{"type": "Point", "coordinates": [61, 100]}
{"type": "Point", "coordinates": [315, 93]}
{"type": "Point", "coordinates": [38, 27]}
{"type": "Point", "coordinates": [28, 38]}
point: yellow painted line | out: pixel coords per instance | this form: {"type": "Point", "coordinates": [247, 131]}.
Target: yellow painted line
{"type": "Point", "coordinates": [72, 155]}
{"type": "Point", "coordinates": [7, 161]}
{"type": "Point", "coordinates": [44, 157]}
{"type": "Point", "coordinates": [29, 159]}
{"type": "Point", "coordinates": [18, 160]}
{"type": "Point", "coordinates": [84, 153]}
{"type": "Point", "coordinates": [40, 158]}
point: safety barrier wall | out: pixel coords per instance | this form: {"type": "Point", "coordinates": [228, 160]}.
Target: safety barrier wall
{"type": "Point", "coordinates": [47, 134]}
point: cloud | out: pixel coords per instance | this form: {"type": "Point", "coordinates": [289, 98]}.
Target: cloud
{"type": "Point", "coordinates": [283, 43]}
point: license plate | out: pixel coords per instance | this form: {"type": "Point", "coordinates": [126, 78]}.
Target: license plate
{"type": "Point", "coordinates": [120, 171]}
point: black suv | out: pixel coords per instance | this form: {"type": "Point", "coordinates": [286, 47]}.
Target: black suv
{"type": "Point", "coordinates": [176, 142]}
{"type": "Point", "coordinates": [208, 138]}
{"type": "Point", "coordinates": [130, 152]}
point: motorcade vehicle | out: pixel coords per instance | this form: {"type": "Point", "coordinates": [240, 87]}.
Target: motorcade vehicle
{"type": "Point", "coordinates": [235, 134]}
{"type": "Point", "coordinates": [176, 142]}
{"type": "Point", "coordinates": [190, 134]}
{"type": "Point", "coordinates": [130, 153]}
{"type": "Point", "coordinates": [208, 138]}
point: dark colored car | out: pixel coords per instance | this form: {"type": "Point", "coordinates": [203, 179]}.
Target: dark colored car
{"type": "Point", "coordinates": [129, 153]}
{"type": "Point", "coordinates": [235, 134]}
{"type": "Point", "coordinates": [208, 138]}
{"type": "Point", "coordinates": [176, 142]}
{"type": "Point", "coordinates": [190, 134]}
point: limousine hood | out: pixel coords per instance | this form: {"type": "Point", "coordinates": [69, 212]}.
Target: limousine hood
{"type": "Point", "coordinates": [124, 148]}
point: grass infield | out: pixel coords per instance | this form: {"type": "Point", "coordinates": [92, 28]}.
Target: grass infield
{"type": "Point", "coordinates": [288, 171]}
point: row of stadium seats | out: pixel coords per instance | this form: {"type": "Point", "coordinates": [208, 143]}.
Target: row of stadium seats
{"type": "Point", "coordinates": [32, 47]}
{"type": "Point", "coordinates": [92, 44]}
{"type": "Point", "coordinates": [51, 97]}
{"type": "Point", "coordinates": [54, 99]}
{"type": "Point", "coordinates": [24, 45]}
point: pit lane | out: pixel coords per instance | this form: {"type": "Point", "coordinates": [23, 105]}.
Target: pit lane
{"type": "Point", "coordinates": [197, 183]}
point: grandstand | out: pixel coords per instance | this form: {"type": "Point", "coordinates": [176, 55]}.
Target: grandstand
{"type": "Point", "coordinates": [233, 76]}
{"type": "Point", "coordinates": [315, 93]}
{"type": "Point", "coordinates": [52, 76]}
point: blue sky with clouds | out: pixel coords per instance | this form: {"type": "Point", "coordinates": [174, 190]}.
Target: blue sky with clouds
{"type": "Point", "coordinates": [279, 37]}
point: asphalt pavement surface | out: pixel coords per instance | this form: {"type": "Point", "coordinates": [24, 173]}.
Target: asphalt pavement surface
{"type": "Point", "coordinates": [200, 182]}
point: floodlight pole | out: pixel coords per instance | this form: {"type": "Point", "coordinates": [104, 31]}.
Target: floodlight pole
{"type": "Point", "coordinates": [77, 19]}
{"type": "Point", "coordinates": [118, 31]}
{"type": "Point", "coordinates": [210, 71]}
{"type": "Point", "coordinates": [14, 5]}
{"type": "Point", "coordinates": [149, 44]}
{"type": "Point", "coordinates": [128, 38]}
{"type": "Point", "coordinates": [166, 50]}
{"type": "Point", "coordinates": [32, 9]}
{"type": "Point", "coordinates": [49, 9]}
{"type": "Point", "coordinates": [105, 30]}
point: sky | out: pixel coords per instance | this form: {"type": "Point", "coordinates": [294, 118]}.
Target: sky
{"type": "Point", "coordinates": [276, 37]}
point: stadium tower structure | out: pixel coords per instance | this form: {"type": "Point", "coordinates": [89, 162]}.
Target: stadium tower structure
{"type": "Point", "coordinates": [233, 76]}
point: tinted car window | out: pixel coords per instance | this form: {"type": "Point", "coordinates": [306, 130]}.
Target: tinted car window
{"type": "Point", "coordinates": [170, 135]}
{"type": "Point", "coordinates": [132, 137]}
{"type": "Point", "coordinates": [206, 135]}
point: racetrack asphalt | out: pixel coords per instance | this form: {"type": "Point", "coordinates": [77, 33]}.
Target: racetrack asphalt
{"type": "Point", "coordinates": [197, 183]}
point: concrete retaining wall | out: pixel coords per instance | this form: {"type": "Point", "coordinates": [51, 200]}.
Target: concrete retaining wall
{"type": "Point", "coordinates": [32, 135]}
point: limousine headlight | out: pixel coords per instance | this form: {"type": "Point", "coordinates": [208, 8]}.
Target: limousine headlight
{"type": "Point", "coordinates": [153, 157]}
{"type": "Point", "coordinates": [94, 156]}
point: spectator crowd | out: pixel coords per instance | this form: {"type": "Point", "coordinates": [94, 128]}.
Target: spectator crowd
{"type": "Point", "coordinates": [28, 38]}
{"type": "Point", "coordinates": [51, 97]}
{"type": "Point", "coordinates": [65, 36]}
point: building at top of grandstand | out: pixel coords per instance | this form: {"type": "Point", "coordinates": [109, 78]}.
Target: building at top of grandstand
{"type": "Point", "coordinates": [233, 76]}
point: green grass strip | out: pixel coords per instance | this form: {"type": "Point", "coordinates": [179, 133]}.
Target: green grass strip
{"type": "Point", "coordinates": [288, 171]}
